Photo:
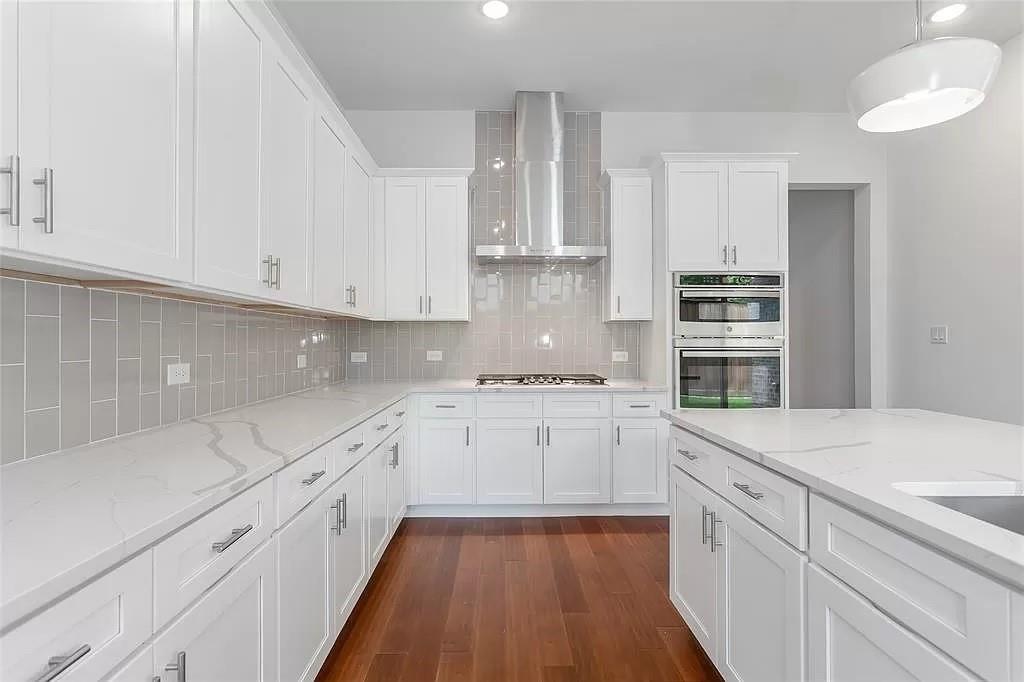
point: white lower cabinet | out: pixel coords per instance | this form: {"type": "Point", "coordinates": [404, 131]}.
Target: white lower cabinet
{"type": "Point", "coordinates": [230, 633]}
{"type": "Point", "coordinates": [377, 465]}
{"type": "Point", "coordinates": [849, 640]}
{"type": "Point", "coordinates": [692, 575]}
{"type": "Point", "coordinates": [640, 467]}
{"type": "Point", "coordinates": [396, 481]}
{"type": "Point", "coordinates": [577, 461]}
{"type": "Point", "coordinates": [510, 461]}
{"type": "Point", "coordinates": [447, 461]}
{"type": "Point", "coordinates": [347, 499]}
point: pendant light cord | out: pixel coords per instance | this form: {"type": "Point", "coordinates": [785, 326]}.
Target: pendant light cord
{"type": "Point", "coordinates": [919, 26]}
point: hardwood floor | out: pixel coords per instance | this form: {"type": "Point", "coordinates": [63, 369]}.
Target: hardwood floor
{"type": "Point", "coordinates": [520, 599]}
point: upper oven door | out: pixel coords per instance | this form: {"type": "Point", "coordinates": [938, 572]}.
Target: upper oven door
{"type": "Point", "coordinates": [723, 313]}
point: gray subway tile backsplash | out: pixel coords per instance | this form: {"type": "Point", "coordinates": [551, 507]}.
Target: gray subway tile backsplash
{"type": "Point", "coordinates": [42, 362]}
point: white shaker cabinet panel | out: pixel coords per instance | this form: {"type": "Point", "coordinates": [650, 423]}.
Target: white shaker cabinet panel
{"type": "Point", "coordinates": [105, 124]}
{"type": "Point", "coordinates": [357, 250]}
{"type": "Point", "coordinates": [447, 461]}
{"type": "Point", "coordinates": [446, 252]}
{"type": "Point", "coordinates": [849, 640]}
{"type": "Point", "coordinates": [396, 480]}
{"type": "Point", "coordinates": [640, 469]}
{"type": "Point", "coordinates": [692, 575]}
{"type": "Point", "coordinates": [139, 668]}
{"type": "Point", "coordinates": [577, 461]}
{"type": "Point", "coordinates": [509, 461]}
{"type": "Point", "coordinates": [628, 225]}
{"type": "Point", "coordinates": [349, 552]}
{"type": "Point", "coordinates": [405, 229]}
{"type": "Point", "coordinates": [698, 216]}
{"type": "Point", "coordinates": [229, 80]}
{"type": "Point", "coordinates": [329, 154]}
{"type": "Point", "coordinates": [231, 632]}
{"type": "Point", "coordinates": [758, 216]}
{"type": "Point", "coordinates": [377, 465]}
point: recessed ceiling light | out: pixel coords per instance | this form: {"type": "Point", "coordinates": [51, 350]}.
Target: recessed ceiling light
{"type": "Point", "coordinates": [947, 13]}
{"type": "Point", "coordinates": [494, 9]}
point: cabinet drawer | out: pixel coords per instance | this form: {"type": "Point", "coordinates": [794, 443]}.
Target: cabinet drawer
{"type": "Point", "coordinates": [378, 427]}
{"type": "Point", "coordinates": [638, 405]}
{"type": "Point", "coordinates": [961, 612]}
{"type": "Point", "coordinates": [350, 448]}
{"type": "Point", "coordinates": [694, 455]}
{"type": "Point", "coordinates": [585, 405]}
{"type": "Point", "coordinates": [97, 627]}
{"type": "Point", "coordinates": [193, 559]}
{"type": "Point", "coordinates": [299, 482]}
{"type": "Point", "coordinates": [443, 406]}
{"type": "Point", "coordinates": [510, 405]}
{"type": "Point", "coordinates": [776, 502]}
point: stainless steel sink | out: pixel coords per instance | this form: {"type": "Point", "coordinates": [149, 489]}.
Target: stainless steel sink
{"type": "Point", "coordinates": [1000, 503]}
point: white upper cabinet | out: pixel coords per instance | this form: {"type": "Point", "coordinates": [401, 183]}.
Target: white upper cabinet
{"type": "Point", "coordinates": [357, 249]}
{"type": "Point", "coordinates": [727, 215]}
{"type": "Point", "coordinates": [328, 217]}
{"type": "Point", "coordinates": [427, 252]}
{"type": "Point", "coordinates": [285, 185]}
{"type": "Point", "coordinates": [105, 127]}
{"type": "Point", "coordinates": [628, 229]}
{"type": "Point", "coordinates": [229, 76]}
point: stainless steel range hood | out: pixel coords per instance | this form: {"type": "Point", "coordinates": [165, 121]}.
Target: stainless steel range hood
{"type": "Point", "coordinates": [539, 177]}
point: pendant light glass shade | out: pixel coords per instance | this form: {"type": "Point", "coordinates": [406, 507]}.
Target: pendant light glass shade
{"type": "Point", "coordinates": [924, 83]}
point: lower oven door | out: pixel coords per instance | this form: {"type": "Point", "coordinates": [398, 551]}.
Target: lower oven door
{"type": "Point", "coordinates": [729, 377]}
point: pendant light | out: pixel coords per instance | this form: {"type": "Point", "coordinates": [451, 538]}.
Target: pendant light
{"type": "Point", "coordinates": [924, 83]}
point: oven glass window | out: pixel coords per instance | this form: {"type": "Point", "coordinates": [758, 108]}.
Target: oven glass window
{"type": "Point", "coordinates": [728, 308]}
{"type": "Point", "coordinates": [732, 381]}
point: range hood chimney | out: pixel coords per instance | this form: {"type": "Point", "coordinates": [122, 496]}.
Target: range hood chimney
{"type": "Point", "coordinates": [539, 185]}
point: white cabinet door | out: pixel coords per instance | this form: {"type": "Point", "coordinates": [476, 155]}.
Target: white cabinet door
{"type": "Point", "coordinates": [396, 481]}
{"type": "Point", "coordinates": [760, 588]}
{"type": "Point", "coordinates": [377, 465]}
{"type": "Point", "coordinates": [303, 590]}
{"type": "Point", "coordinates": [357, 251]}
{"type": "Point", "coordinates": [328, 217]}
{"type": "Point", "coordinates": [692, 574]}
{"type": "Point", "coordinates": [285, 185]}
{"type": "Point", "coordinates": [405, 210]}
{"type": "Point", "coordinates": [231, 632]}
{"type": "Point", "coordinates": [447, 461]}
{"type": "Point", "coordinates": [639, 462]}
{"type": "Point", "coordinates": [447, 249]}
{"type": "Point", "coordinates": [106, 104]}
{"type": "Point", "coordinates": [698, 216]}
{"type": "Point", "coordinates": [10, 115]}
{"type": "Point", "coordinates": [630, 261]}
{"type": "Point", "coordinates": [229, 80]}
{"type": "Point", "coordinates": [509, 461]}
{"type": "Point", "coordinates": [349, 553]}
{"type": "Point", "coordinates": [758, 216]}
{"type": "Point", "coordinates": [577, 460]}
{"type": "Point", "coordinates": [139, 668]}
{"type": "Point", "coordinates": [849, 640]}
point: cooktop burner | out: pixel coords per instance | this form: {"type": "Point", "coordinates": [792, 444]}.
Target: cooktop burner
{"type": "Point", "coordinates": [539, 379]}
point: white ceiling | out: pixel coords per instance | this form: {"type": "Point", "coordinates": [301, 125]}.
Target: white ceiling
{"type": "Point", "coordinates": [710, 55]}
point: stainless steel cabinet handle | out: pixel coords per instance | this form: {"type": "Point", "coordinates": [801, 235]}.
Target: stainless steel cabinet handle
{"type": "Point", "coordinates": [538, 435]}
{"type": "Point", "coordinates": [618, 304]}
{"type": "Point", "coordinates": [394, 456]}
{"type": "Point", "coordinates": [618, 435]}
{"type": "Point", "coordinates": [381, 427]}
{"type": "Point", "coordinates": [277, 273]}
{"type": "Point", "coordinates": [236, 534]}
{"type": "Point", "coordinates": [355, 446]}
{"type": "Point", "coordinates": [14, 191]}
{"type": "Point", "coordinates": [745, 489]}
{"type": "Point", "coordinates": [639, 404]}
{"type": "Point", "coordinates": [340, 513]}
{"type": "Point", "coordinates": [58, 664]}
{"type": "Point", "coordinates": [467, 436]}
{"type": "Point", "coordinates": [355, 294]}
{"type": "Point", "coordinates": [430, 304]}
{"type": "Point", "coordinates": [704, 514]}
{"type": "Point", "coordinates": [725, 254]}
{"type": "Point", "coordinates": [547, 434]}
{"type": "Point", "coordinates": [348, 295]}
{"type": "Point", "coordinates": [421, 305]}
{"type": "Point", "coordinates": [400, 414]}
{"type": "Point", "coordinates": [445, 407]}
{"type": "Point", "coordinates": [687, 454]}
{"type": "Point", "coordinates": [178, 667]}
{"type": "Point", "coordinates": [46, 220]}
{"type": "Point", "coordinates": [268, 263]}
{"type": "Point", "coordinates": [714, 536]}
{"type": "Point", "coordinates": [313, 477]}
{"type": "Point", "coordinates": [734, 254]}
{"type": "Point", "coordinates": [344, 511]}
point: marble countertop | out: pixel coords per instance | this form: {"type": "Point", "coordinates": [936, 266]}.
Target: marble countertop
{"type": "Point", "coordinates": [70, 515]}
{"type": "Point", "coordinates": [855, 456]}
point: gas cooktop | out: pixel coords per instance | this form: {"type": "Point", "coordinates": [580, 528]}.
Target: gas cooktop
{"type": "Point", "coordinates": [539, 380]}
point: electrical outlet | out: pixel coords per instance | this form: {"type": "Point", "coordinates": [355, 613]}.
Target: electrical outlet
{"type": "Point", "coordinates": [435, 355]}
{"type": "Point", "coordinates": [620, 356]}
{"type": "Point", "coordinates": [179, 373]}
{"type": "Point", "coordinates": [358, 357]}
{"type": "Point", "coordinates": [300, 360]}
{"type": "Point", "coordinates": [939, 334]}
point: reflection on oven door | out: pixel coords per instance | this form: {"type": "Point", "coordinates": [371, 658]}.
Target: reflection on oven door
{"type": "Point", "coordinates": [724, 380]}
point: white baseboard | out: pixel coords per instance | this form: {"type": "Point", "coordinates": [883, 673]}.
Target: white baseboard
{"type": "Point", "coordinates": [533, 510]}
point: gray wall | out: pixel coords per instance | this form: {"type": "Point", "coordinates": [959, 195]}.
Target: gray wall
{"type": "Point", "coordinates": [821, 297]}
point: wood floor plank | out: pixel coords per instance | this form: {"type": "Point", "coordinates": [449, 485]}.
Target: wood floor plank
{"type": "Point", "coordinates": [455, 666]}
{"type": "Point", "coordinates": [489, 641]}
{"type": "Point", "coordinates": [386, 668]}
{"type": "Point", "coordinates": [570, 594]}
{"type": "Point", "coordinates": [459, 626]}
{"type": "Point", "coordinates": [550, 628]}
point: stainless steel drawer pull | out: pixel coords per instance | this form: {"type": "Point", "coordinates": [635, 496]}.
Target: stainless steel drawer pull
{"type": "Point", "coordinates": [381, 427]}
{"type": "Point", "coordinates": [445, 407]}
{"type": "Point", "coordinates": [394, 456]}
{"type": "Point", "coordinates": [745, 489]}
{"type": "Point", "coordinates": [178, 667]}
{"type": "Point", "coordinates": [400, 414]}
{"type": "Point", "coordinates": [687, 454]}
{"type": "Point", "coordinates": [14, 207]}
{"type": "Point", "coordinates": [547, 435]}
{"type": "Point", "coordinates": [618, 435]}
{"type": "Point", "coordinates": [236, 534]}
{"type": "Point", "coordinates": [704, 514]}
{"type": "Point", "coordinates": [46, 220]}
{"type": "Point", "coordinates": [467, 436]}
{"type": "Point", "coordinates": [58, 664]}
{"type": "Point", "coordinates": [313, 477]}
{"type": "Point", "coordinates": [355, 446]}
{"type": "Point", "coordinates": [538, 435]}
{"type": "Point", "coordinates": [714, 536]}
{"type": "Point", "coordinates": [640, 405]}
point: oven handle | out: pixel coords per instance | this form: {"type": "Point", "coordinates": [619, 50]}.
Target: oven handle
{"type": "Point", "coordinates": [733, 352]}
{"type": "Point", "coordinates": [729, 293]}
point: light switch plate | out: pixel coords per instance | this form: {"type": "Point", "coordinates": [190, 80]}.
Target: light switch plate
{"type": "Point", "coordinates": [300, 360]}
{"type": "Point", "coordinates": [358, 357]}
{"type": "Point", "coordinates": [620, 356]}
{"type": "Point", "coordinates": [179, 373]}
{"type": "Point", "coordinates": [435, 355]}
{"type": "Point", "coordinates": [939, 334]}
